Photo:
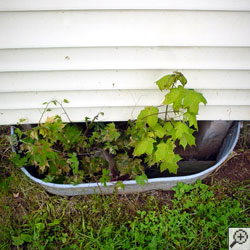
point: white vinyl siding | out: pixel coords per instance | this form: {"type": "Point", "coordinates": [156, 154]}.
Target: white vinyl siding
{"type": "Point", "coordinates": [46, 29]}
{"type": "Point", "coordinates": [107, 55]}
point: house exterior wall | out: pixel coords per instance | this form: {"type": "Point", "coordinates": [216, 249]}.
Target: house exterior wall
{"type": "Point", "coordinates": [105, 56]}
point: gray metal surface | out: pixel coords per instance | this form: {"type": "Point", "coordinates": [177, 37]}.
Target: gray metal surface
{"type": "Point", "coordinates": [165, 183]}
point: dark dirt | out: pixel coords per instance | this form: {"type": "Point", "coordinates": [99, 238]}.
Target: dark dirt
{"type": "Point", "coordinates": [237, 169]}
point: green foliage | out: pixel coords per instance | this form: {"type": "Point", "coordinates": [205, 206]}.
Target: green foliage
{"type": "Point", "coordinates": [156, 139]}
{"type": "Point", "coordinates": [144, 146]}
{"type": "Point", "coordinates": [128, 166]}
{"type": "Point", "coordinates": [141, 179]}
{"type": "Point", "coordinates": [67, 153]}
{"type": "Point", "coordinates": [64, 152]}
{"type": "Point", "coordinates": [105, 177]}
{"type": "Point", "coordinates": [197, 217]}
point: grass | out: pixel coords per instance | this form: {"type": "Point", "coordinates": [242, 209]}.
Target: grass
{"type": "Point", "coordinates": [189, 217]}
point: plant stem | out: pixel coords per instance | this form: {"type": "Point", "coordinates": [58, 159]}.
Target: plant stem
{"type": "Point", "coordinates": [64, 111]}
{"type": "Point", "coordinates": [44, 112]}
{"type": "Point", "coordinates": [46, 108]}
{"type": "Point", "coordinates": [90, 124]}
{"type": "Point", "coordinates": [166, 114]}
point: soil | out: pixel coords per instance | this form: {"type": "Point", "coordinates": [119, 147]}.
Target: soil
{"type": "Point", "coordinates": [237, 169]}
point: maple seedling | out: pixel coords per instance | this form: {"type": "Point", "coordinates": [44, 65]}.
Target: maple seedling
{"type": "Point", "coordinates": [154, 138]}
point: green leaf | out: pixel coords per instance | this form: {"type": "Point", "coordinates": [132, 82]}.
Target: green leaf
{"type": "Point", "coordinates": [159, 130]}
{"type": "Point", "coordinates": [86, 119]}
{"type": "Point", "coordinates": [141, 179]}
{"type": "Point", "coordinates": [18, 160]}
{"type": "Point", "coordinates": [44, 103]}
{"type": "Point", "coordinates": [26, 237]}
{"type": "Point", "coordinates": [191, 118]}
{"type": "Point", "coordinates": [184, 134]}
{"type": "Point", "coordinates": [74, 162]}
{"type": "Point", "coordinates": [141, 118]}
{"type": "Point", "coordinates": [119, 185]}
{"type": "Point", "coordinates": [105, 177]}
{"type": "Point", "coordinates": [55, 222]}
{"type": "Point", "coordinates": [22, 120]}
{"type": "Point", "coordinates": [148, 115]}
{"type": "Point", "coordinates": [40, 226]}
{"type": "Point", "coordinates": [17, 241]}
{"type": "Point", "coordinates": [183, 80]}
{"type": "Point", "coordinates": [110, 133]}
{"type": "Point", "coordinates": [192, 99]}
{"type": "Point", "coordinates": [152, 118]}
{"type": "Point", "coordinates": [187, 139]}
{"type": "Point", "coordinates": [171, 164]}
{"type": "Point", "coordinates": [19, 133]}
{"type": "Point", "coordinates": [65, 101]}
{"type": "Point", "coordinates": [164, 151]}
{"type": "Point", "coordinates": [175, 97]}
{"type": "Point", "coordinates": [166, 82]}
{"type": "Point", "coordinates": [54, 102]}
{"type": "Point", "coordinates": [181, 128]}
{"type": "Point", "coordinates": [144, 146]}
{"type": "Point", "coordinates": [168, 127]}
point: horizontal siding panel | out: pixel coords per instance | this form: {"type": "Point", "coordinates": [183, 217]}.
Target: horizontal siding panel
{"type": "Point", "coordinates": [115, 98]}
{"type": "Point", "coordinates": [17, 5]}
{"type": "Point", "coordinates": [124, 58]}
{"type": "Point", "coordinates": [120, 114]}
{"type": "Point", "coordinates": [123, 28]}
{"type": "Point", "coordinates": [118, 79]}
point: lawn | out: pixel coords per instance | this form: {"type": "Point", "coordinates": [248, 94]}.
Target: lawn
{"type": "Point", "coordinates": [188, 217]}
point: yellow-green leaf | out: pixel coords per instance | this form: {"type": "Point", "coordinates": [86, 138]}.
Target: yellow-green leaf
{"type": "Point", "coordinates": [175, 97]}
{"type": "Point", "coordinates": [192, 99]}
{"type": "Point", "coordinates": [144, 146]}
{"type": "Point", "coordinates": [159, 130]}
{"type": "Point", "coordinates": [166, 82]}
{"type": "Point", "coordinates": [191, 118]}
{"type": "Point", "coordinates": [164, 151]}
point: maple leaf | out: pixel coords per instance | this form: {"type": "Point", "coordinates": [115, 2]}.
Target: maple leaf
{"type": "Point", "coordinates": [175, 97]}
{"type": "Point", "coordinates": [171, 164]}
{"type": "Point", "coordinates": [191, 118]}
{"type": "Point", "coordinates": [159, 130]}
{"type": "Point", "coordinates": [144, 146]}
{"type": "Point", "coordinates": [181, 128]}
{"type": "Point", "coordinates": [184, 134]}
{"type": "Point", "coordinates": [187, 139]}
{"type": "Point", "coordinates": [166, 82]}
{"type": "Point", "coordinates": [169, 128]}
{"type": "Point", "coordinates": [152, 116]}
{"type": "Point", "coordinates": [192, 99]}
{"type": "Point", "coordinates": [164, 151]}
{"type": "Point", "coordinates": [140, 118]}
{"type": "Point", "coordinates": [148, 115]}
{"type": "Point", "coordinates": [183, 80]}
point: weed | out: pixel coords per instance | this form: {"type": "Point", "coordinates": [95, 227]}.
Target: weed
{"type": "Point", "coordinates": [197, 217]}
